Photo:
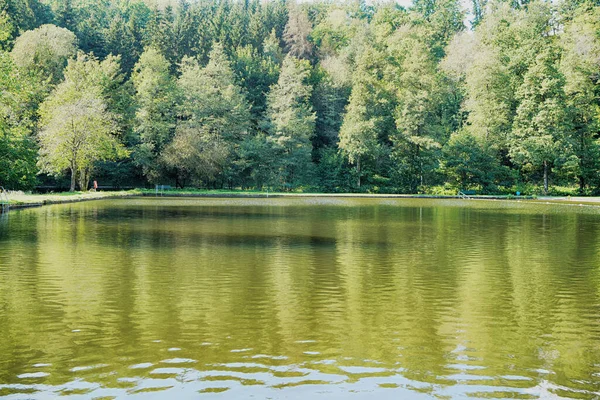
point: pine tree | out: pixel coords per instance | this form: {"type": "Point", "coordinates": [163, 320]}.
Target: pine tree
{"type": "Point", "coordinates": [156, 98]}
{"type": "Point", "coordinates": [539, 138]}
{"type": "Point", "coordinates": [368, 121]}
{"type": "Point", "coordinates": [297, 31]}
{"type": "Point", "coordinates": [419, 131]}
{"type": "Point", "coordinates": [291, 123]}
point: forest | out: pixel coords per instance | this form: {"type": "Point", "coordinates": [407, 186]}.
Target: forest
{"type": "Point", "coordinates": [330, 96]}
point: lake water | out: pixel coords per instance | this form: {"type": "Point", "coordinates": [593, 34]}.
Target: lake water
{"type": "Point", "coordinates": [300, 299]}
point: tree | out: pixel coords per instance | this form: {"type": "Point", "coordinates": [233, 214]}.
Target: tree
{"type": "Point", "coordinates": [17, 16]}
{"type": "Point", "coordinates": [196, 153]}
{"type": "Point", "coordinates": [296, 34]}
{"type": "Point", "coordinates": [580, 64]}
{"type": "Point", "coordinates": [45, 50]}
{"type": "Point", "coordinates": [335, 32]}
{"type": "Point", "coordinates": [214, 118]}
{"type": "Point", "coordinates": [468, 164]}
{"type": "Point", "coordinates": [330, 98]}
{"type": "Point", "coordinates": [445, 18]}
{"type": "Point", "coordinates": [256, 74]}
{"type": "Point", "coordinates": [120, 40]}
{"type": "Point", "coordinates": [291, 122]}
{"type": "Point", "coordinates": [6, 30]}
{"type": "Point", "coordinates": [156, 97]}
{"type": "Point", "coordinates": [77, 129]}
{"type": "Point", "coordinates": [255, 161]}
{"type": "Point", "coordinates": [420, 132]}
{"type": "Point", "coordinates": [540, 129]}
{"type": "Point", "coordinates": [368, 120]}
{"type": "Point", "coordinates": [18, 103]}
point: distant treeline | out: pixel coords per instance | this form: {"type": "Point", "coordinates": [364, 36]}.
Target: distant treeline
{"type": "Point", "coordinates": [325, 95]}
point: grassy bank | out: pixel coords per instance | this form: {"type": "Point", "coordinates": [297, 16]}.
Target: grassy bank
{"type": "Point", "coordinates": [19, 199]}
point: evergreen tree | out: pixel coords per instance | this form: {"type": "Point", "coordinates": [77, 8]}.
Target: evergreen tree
{"type": "Point", "coordinates": [420, 133]}
{"type": "Point", "coordinates": [291, 123]}
{"type": "Point", "coordinates": [297, 32]}
{"type": "Point", "coordinates": [156, 97]}
{"type": "Point", "coordinates": [539, 139]}
{"type": "Point", "coordinates": [368, 121]}
{"type": "Point", "coordinates": [257, 72]}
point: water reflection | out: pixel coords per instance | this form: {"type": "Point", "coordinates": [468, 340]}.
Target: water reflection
{"type": "Point", "coordinates": [272, 298]}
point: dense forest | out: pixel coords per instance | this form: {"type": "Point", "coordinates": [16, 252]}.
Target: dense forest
{"type": "Point", "coordinates": [312, 96]}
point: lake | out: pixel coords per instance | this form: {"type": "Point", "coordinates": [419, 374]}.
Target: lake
{"type": "Point", "coordinates": [300, 298]}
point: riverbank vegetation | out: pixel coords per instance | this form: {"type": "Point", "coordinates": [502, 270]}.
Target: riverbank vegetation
{"type": "Point", "coordinates": [316, 96]}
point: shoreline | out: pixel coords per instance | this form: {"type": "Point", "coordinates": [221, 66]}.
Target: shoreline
{"type": "Point", "coordinates": [22, 201]}
{"type": "Point", "coordinates": [257, 195]}
{"type": "Point", "coordinates": [38, 200]}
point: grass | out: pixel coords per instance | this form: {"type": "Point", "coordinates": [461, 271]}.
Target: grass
{"type": "Point", "coordinates": [20, 198]}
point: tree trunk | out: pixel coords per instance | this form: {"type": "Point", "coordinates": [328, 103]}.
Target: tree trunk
{"type": "Point", "coordinates": [420, 165]}
{"type": "Point", "coordinates": [73, 179]}
{"type": "Point", "coordinates": [84, 178]}
{"type": "Point", "coordinates": [358, 171]}
{"type": "Point", "coordinates": [545, 177]}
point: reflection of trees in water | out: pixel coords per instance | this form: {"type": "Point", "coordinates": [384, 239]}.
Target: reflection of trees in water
{"type": "Point", "coordinates": [3, 223]}
{"type": "Point", "coordinates": [436, 292]}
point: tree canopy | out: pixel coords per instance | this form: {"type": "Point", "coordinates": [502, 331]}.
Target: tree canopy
{"type": "Point", "coordinates": [329, 96]}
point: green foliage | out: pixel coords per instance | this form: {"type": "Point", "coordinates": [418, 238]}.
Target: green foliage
{"type": "Point", "coordinates": [540, 137]}
{"type": "Point", "coordinates": [369, 121]}
{"type": "Point", "coordinates": [468, 164]}
{"type": "Point", "coordinates": [77, 127]}
{"type": "Point", "coordinates": [419, 130]}
{"type": "Point", "coordinates": [579, 65]}
{"type": "Point", "coordinates": [255, 162]}
{"type": "Point", "coordinates": [45, 50]}
{"type": "Point", "coordinates": [333, 172]}
{"type": "Point", "coordinates": [214, 117]}
{"type": "Point", "coordinates": [291, 122]}
{"type": "Point", "coordinates": [257, 73]}
{"type": "Point", "coordinates": [18, 152]}
{"type": "Point", "coordinates": [156, 96]}
{"type": "Point", "coordinates": [287, 95]}
{"type": "Point", "coordinates": [330, 99]}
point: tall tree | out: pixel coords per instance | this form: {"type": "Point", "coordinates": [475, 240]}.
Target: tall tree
{"type": "Point", "coordinates": [540, 138]}
{"type": "Point", "coordinates": [297, 32]}
{"type": "Point", "coordinates": [18, 152]}
{"type": "Point", "coordinates": [156, 97]}
{"type": "Point", "coordinates": [77, 128]}
{"type": "Point", "coordinates": [420, 132]}
{"type": "Point", "coordinates": [120, 40]}
{"type": "Point", "coordinates": [45, 50]}
{"type": "Point", "coordinates": [214, 117]}
{"type": "Point", "coordinates": [291, 122]}
{"type": "Point", "coordinates": [580, 65]}
{"type": "Point", "coordinates": [257, 73]}
{"type": "Point", "coordinates": [368, 121]}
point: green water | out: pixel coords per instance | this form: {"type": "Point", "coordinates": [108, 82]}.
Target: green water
{"type": "Point", "coordinates": [300, 299]}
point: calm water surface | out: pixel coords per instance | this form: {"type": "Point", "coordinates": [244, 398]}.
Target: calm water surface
{"type": "Point", "coordinates": [300, 299]}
